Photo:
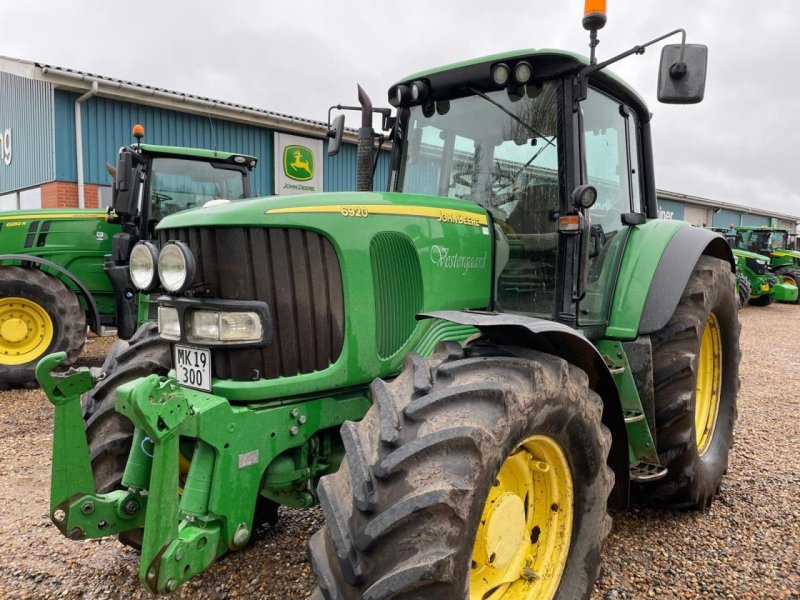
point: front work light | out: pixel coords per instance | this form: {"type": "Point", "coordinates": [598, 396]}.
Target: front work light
{"type": "Point", "coordinates": [419, 91]}
{"type": "Point", "coordinates": [523, 72]}
{"type": "Point", "coordinates": [169, 325]}
{"type": "Point", "coordinates": [223, 326]}
{"type": "Point", "coordinates": [142, 266]}
{"type": "Point", "coordinates": [176, 267]}
{"type": "Point", "coordinates": [500, 74]}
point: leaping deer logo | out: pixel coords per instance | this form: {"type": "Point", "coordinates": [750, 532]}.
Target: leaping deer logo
{"type": "Point", "coordinates": [298, 163]}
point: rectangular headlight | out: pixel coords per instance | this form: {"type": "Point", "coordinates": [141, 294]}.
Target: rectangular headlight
{"type": "Point", "coordinates": [169, 325]}
{"type": "Point", "coordinates": [223, 326]}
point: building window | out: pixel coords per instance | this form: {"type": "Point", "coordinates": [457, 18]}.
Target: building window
{"type": "Point", "coordinates": [104, 196]}
{"type": "Point", "coordinates": [30, 199]}
{"type": "Point", "coordinates": [8, 201]}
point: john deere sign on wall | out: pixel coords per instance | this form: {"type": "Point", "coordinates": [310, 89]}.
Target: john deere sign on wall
{"type": "Point", "coordinates": [298, 165]}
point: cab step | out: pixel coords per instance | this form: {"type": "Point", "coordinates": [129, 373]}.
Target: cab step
{"type": "Point", "coordinates": [633, 416]}
{"type": "Point", "coordinates": [644, 472]}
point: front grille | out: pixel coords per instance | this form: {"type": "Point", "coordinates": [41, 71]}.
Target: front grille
{"type": "Point", "coordinates": [753, 265]}
{"type": "Point", "coordinates": [296, 272]}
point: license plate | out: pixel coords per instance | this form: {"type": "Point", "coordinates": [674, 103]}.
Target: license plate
{"type": "Point", "coordinates": [193, 367]}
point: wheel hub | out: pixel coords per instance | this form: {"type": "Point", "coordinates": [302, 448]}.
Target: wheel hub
{"type": "Point", "coordinates": [503, 530]}
{"type": "Point", "coordinates": [26, 331]}
{"type": "Point", "coordinates": [14, 330]}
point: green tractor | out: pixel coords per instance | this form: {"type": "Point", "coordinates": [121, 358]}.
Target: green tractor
{"type": "Point", "coordinates": [754, 283]}
{"type": "Point", "coordinates": [777, 244]}
{"type": "Point", "coordinates": [465, 371]}
{"type": "Point", "coordinates": [64, 269]}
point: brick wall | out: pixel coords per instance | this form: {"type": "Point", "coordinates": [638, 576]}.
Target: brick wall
{"type": "Point", "coordinates": [64, 194]}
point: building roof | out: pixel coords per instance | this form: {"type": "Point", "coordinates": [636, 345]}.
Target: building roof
{"type": "Point", "coordinates": [82, 81]}
{"type": "Point", "coordinates": [708, 203]}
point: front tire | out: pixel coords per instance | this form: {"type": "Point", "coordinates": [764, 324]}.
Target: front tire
{"type": "Point", "coordinates": [39, 315]}
{"type": "Point", "coordinates": [789, 275]}
{"type": "Point", "coordinates": [696, 379]}
{"type": "Point", "coordinates": [743, 289]}
{"type": "Point", "coordinates": [476, 475]}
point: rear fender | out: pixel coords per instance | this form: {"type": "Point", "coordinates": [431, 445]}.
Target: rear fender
{"type": "Point", "coordinates": [567, 343]}
{"type": "Point", "coordinates": [92, 313]}
{"type": "Point", "coordinates": [659, 258]}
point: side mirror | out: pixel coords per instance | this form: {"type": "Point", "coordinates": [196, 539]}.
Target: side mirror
{"type": "Point", "coordinates": [335, 135]}
{"type": "Point", "coordinates": [125, 195]}
{"type": "Point", "coordinates": [682, 80]}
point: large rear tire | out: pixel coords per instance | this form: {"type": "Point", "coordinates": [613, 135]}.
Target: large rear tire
{"type": "Point", "coordinates": [39, 315]}
{"type": "Point", "coordinates": [696, 378]}
{"type": "Point", "coordinates": [477, 475]}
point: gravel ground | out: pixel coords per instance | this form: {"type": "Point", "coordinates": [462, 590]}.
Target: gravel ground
{"type": "Point", "coordinates": [747, 545]}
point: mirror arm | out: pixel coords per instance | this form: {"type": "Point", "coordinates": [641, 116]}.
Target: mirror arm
{"type": "Point", "coordinates": [677, 71]}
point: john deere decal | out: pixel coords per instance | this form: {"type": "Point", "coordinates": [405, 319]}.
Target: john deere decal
{"type": "Point", "coordinates": [298, 163]}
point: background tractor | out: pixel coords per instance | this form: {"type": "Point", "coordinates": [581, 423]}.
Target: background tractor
{"type": "Point", "coordinates": [64, 269]}
{"type": "Point", "coordinates": [755, 284]}
{"type": "Point", "coordinates": [764, 254]}
{"type": "Point", "coordinates": [464, 371]}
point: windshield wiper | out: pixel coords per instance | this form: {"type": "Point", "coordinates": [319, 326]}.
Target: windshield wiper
{"type": "Point", "coordinates": [510, 114]}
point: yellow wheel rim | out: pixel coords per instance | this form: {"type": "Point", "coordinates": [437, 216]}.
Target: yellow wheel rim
{"type": "Point", "coordinates": [788, 280]}
{"type": "Point", "coordinates": [709, 384]}
{"type": "Point", "coordinates": [26, 331]}
{"type": "Point", "coordinates": [523, 537]}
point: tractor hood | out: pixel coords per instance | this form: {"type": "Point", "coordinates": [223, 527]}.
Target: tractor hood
{"type": "Point", "coordinates": [746, 254]}
{"type": "Point", "coordinates": [274, 210]}
{"type": "Point", "coordinates": [10, 217]}
{"type": "Point", "coordinates": [784, 252]}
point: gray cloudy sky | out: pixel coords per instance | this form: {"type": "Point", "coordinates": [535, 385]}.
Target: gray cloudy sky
{"type": "Point", "coordinates": [301, 57]}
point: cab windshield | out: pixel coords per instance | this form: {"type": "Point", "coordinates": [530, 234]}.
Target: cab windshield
{"type": "Point", "coordinates": [500, 150]}
{"type": "Point", "coordinates": [177, 184]}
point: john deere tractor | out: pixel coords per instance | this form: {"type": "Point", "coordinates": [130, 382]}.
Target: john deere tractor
{"type": "Point", "coordinates": [64, 269]}
{"type": "Point", "coordinates": [755, 284]}
{"type": "Point", "coordinates": [777, 244]}
{"type": "Point", "coordinates": [465, 371]}
{"type": "Point", "coordinates": [763, 286]}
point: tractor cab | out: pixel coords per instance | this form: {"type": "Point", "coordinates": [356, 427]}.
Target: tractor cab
{"type": "Point", "coordinates": [558, 153]}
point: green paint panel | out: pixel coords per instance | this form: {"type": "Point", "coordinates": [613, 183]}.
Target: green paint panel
{"type": "Point", "coordinates": [646, 245]}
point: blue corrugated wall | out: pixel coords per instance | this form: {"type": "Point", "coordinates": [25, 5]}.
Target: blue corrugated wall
{"type": "Point", "coordinates": [755, 220]}
{"type": "Point", "coordinates": [107, 125]}
{"type": "Point", "coordinates": [26, 109]}
{"type": "Point", "coordinates": [726, 218]}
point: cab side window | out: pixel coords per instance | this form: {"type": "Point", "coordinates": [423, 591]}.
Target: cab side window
{"type": "Point", "coordinates": [612, 166]}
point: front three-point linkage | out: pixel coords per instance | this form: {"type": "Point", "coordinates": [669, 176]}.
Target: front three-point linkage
{"type": "Point", "coordinates": [75, 507]}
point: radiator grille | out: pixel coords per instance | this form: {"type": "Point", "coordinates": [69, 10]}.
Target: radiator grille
{"type": "Point", "coordinates": [296, 272]}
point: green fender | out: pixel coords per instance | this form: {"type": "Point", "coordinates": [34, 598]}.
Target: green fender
{"type": "Point", "coordinates": [569, 344]}
{"type": "Point", "coordinates": [658, 260]}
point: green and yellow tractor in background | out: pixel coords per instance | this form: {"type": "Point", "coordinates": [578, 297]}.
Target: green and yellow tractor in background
{"type": "Point", "coordinates": [777, 244]}
{"type": "Point", "coordinates": [465, 371]}
{"type": "Point", "coordinates": [755, 284]}
{"type": "Point", "coordinates": [64, 269]}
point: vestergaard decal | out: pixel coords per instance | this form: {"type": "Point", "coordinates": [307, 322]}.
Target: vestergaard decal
{"type": "Point", "coordinates": [442, 258]}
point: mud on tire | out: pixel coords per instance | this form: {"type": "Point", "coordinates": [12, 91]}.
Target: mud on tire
{"type": "Point", "coordinates": [403, 510]}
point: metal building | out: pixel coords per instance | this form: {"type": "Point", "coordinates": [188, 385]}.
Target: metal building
{"type": "Point", "coordinates": [59, 128]}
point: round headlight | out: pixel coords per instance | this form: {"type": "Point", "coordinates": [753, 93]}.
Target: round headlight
{"type": "Point", "coordinates": [584, 196]}
{"type": "Point", "coordinates": [523, 72]}
{"type": "Point", "coordinates": [142, 266]}
{"type": "Point", "coordinates": [176, 267]}
{"type": "Point", "coordinates": [500, 74]}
